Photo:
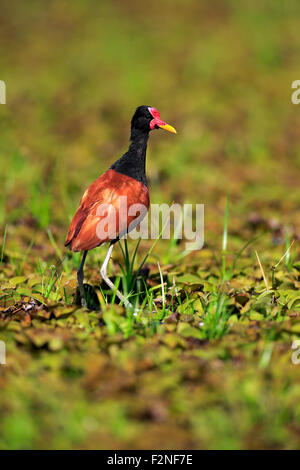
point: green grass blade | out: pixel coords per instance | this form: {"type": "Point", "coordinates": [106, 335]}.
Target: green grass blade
{"type": "Point", "coordinates": [3, 245]}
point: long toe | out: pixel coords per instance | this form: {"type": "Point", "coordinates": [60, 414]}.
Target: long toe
{"type": "Point", "coordinates": [127, 304]}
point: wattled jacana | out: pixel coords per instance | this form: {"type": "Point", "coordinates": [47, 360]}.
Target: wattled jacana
{"type": "Point", "coordinates": [103, 202]}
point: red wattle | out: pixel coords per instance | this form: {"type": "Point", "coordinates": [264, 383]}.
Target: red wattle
{"type": "Point", "coordinates": [156, 121]}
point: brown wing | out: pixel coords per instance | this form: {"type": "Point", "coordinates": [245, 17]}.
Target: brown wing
{"type": "Point", "coordinates": [95, 194]}
{"type": "Point", "coordinates": [102, 214]}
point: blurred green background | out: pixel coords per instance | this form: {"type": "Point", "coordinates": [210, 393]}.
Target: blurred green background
{"type": "Point", "coordinates": [220, 71]}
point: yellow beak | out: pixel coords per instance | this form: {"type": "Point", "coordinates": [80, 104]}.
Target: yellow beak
{"type": "Point", "coordinates": [167, 127]}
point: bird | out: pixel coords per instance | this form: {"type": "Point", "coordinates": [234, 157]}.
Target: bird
{"type": "Point", "coordinates": [105, 211]}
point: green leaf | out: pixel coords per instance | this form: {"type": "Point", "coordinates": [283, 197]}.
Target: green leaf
{"type": "Point", "coordinates": [190, 331]}
{"type": "Point", "coordinates": [256, 316]}
{"type": "Point", "coordinates": [18, 280]}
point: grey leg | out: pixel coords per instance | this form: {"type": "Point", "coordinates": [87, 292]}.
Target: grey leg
{"type": "Point", "coordinates": [103, 272]}
{"type": "Point", "coordinates": [80, 280]}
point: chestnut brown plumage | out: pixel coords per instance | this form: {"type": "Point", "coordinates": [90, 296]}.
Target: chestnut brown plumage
{"type": "Point", "coordinates": [126, 178]}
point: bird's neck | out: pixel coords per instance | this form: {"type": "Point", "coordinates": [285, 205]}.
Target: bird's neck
{"type": "Point", "coordinates": [133, 162]}
{"type": "Point", "coordinates": [138, 145]}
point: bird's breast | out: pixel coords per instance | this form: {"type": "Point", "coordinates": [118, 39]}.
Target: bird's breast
{"type": "Point", "coordinates": [112, 206]}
